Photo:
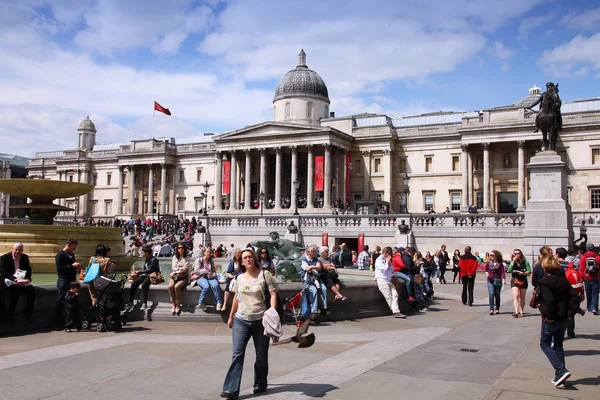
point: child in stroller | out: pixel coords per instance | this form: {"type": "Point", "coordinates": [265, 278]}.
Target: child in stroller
{"type": "Point", "coordinates": [106, 312]}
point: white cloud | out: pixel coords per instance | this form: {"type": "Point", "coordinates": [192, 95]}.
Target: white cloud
{"type": "Point", "coordinates": [502, 54]}
{"type": "Point", "coordinates": [588, 20]}
{"type": "Point", "coordinates": [528, 26]}
{"type": "Point", "coordinates": [578, 56]}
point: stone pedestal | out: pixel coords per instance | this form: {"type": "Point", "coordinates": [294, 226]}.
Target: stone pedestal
{"type": "Point", "coordinates": [403, 239]}
{"type": "Point", "coordinates": [548, 219]}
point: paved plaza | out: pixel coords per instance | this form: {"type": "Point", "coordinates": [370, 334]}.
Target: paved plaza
{"type": "Point", "coordinates": [422, 357]}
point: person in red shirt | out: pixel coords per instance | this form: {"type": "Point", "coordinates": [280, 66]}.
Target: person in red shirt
{"type": "Point", "coordinates": [589, 266]}
{"type": "Point", "coordinates": [468, 268]}
{"type": "Point", "coordinates": [401, 271]}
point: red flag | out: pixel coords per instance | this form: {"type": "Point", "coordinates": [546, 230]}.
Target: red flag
{"type": "Point", "coordinates": [319, 174]}
{"type": "Point", "coordinates": [161, 109]}
{"type": "Point", "coordinates": [226, 177]}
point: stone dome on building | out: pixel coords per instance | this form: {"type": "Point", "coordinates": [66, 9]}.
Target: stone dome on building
{"type": "Point", "coordinates": [301, 82]}
{"type": "Point", "coordinates": [87, 124]}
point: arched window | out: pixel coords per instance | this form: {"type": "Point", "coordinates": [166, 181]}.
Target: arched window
{"type": "Point", "coordinates": [288, 111]}
{"type": "Point", "coordinates": [309, 110]}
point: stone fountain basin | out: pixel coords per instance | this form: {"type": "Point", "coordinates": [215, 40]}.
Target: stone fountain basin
{"type": "Point", "coordinates": [43, 190]}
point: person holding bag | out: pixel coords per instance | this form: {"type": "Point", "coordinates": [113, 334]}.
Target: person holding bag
{"type": "Point", "coordinates": [245, 320]}
{"type": "Point", "coordinates": [145, 277]}
{"type": "Point", "coordinates": [494, 271]}
{"type": "Point", "coordinates": [180, 270]}
{"type": "Point", "coordinates": [520, 269]}
{"type": "Point", "coordinates": [106, 266]}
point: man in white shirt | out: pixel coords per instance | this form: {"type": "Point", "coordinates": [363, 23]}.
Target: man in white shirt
{"type": "Point", "coordinates": [383, 276]}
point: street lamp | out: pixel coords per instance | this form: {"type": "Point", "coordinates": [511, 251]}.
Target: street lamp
{"type": "Point", "coordinates": [296, 188]}
{"type": "Point", "coordinates": [405, 180]}
{"type": "Point", "coordinates": [262, 200]}
{"type": "Point", "coordinates": [206, 187]}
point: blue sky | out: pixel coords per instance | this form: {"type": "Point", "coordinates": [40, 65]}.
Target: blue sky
{"type": "Point", "coordinates": [216, 64]}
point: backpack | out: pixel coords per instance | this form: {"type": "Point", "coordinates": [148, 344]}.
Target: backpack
{"type": "Point", "coordinates": [574, 278]}
{"type": "Point", "coordinates": [591, 266]}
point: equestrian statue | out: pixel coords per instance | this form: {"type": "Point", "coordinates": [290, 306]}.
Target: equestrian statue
{"type": "Point", "coordinates": [548, 118]}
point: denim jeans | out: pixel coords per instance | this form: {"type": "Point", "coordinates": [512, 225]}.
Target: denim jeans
{"type": "Point", "coordinates": [323, 293]}
{"type": "Point", "coordinates": [62, 286]}
{"type": "Point", "coordinates": [554, 332]}
{"type": "Point", "coordinates": [309, 301]}
{"type": "Point", "coordinates": [591, 293]}
{"type": "Point", "coordinates": [205, 284]}
{"type": "Point", "coordinates": [494, 295]}
{"type": "Point", "coordinates": [242, 331]}
{"type": "Point", "coordinates": [144, 281]}
{"type": "Point", "coordinates": [406, 279]}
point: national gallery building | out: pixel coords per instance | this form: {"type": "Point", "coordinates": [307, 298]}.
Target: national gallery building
{"type": "Point", "coordinates": [309, 158]}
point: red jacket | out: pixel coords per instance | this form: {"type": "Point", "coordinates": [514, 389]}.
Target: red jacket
{"type": "Point", "coordinates": [468, 265]}
{"type": "Point", "coordinates": [398, 263]}
{"type": "Point", "coordinates": [583, 268]}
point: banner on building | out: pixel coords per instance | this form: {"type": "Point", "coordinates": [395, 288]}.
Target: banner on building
{"type": "Point", "coordinates": [348, 170]}
{"type": "Point", "coordinates": [319, 173]}
{"type": "Point", "coordinates": [361, 242]}
{"type": "Point", "coordinates": [226, 176]}
{"type": "Point", "coordinates": [325, 239]}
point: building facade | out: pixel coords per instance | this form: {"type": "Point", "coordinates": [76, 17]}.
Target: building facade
{"type": "Point", "coordinates": [14, 167]}
{"type": "Point", "coordinates": [415, 164]}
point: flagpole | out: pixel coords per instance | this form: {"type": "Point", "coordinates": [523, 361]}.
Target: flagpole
{"type": "Point", "coordinates": [153, 116]}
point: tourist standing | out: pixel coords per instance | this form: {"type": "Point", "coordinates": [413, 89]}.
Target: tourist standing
{"type": "Point", "coordinates": [494, 271]}
{"type": "Point", "coordinates": [520, 270]}
{"type": "Point", "coordinates": [582, 234]}
{"type": "Point", "coordinates": [557, 301]}
{"type": "Point", "coordinates": [467, 271]}
{"type": "Point", "coordinates": [589, 265]}
{"type": "Point", "coordinates": [66, 268]}
{"type": "Point", "coordinates": [456, 265]}
{"type": "Point", "coordinates": [245, 320]}
{"type": "Point", "coordinates": [266, 262]}
{"type": "Point", "coordinates": [383, 276]}
{"type": "Point", "coordinates": [444, 261]}
{"type": "Point", "coordinates": [363, 261]}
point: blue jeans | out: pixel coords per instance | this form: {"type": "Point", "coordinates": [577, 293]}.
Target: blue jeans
{"type": "Point", "coordinates": [591, 294]}
{"type": "Point", "coordinates": [406, 279]}
{"type": "Point", "coordinates": [554, 331]}
{"type": "Point", "coordinates": [494, 295]}
{"type": "Point", "coordinates": [242, 331]}
{"type": "Point", "coordinates": [205, 283]}
{"type": "Point", "coordinates": [309, 301]}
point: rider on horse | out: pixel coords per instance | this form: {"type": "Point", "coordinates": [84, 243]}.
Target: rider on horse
{"type": "Point", "coordinates": [555, 104]}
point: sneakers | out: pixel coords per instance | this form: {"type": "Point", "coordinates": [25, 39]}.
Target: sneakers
{"type": "Point", "coordinates": [68, 330]}
{"type": "Point", "coordinates": [594, 312]}
{"type": "Point", "coordinates": [144, 307]}
{"type": "Point", "coordinates": [411, 299]}
{"type": "Point", "coordinates": [562, 379]}
{"type": "Point", "coordinates": [437, 280]}
{"type": "Point", "coordinates": [399, 315]}
{"type": "Point", "coordinates": [218, 307]}
{"type": "Point", "coordinates": [424, 309]}
{"type": "Point", "coordinates": [129, 306]}
{"type": "Point", "coordinates": [201, 306]}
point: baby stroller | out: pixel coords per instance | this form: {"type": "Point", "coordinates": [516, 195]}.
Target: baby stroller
{"type": "Point", "coordinates": [292, 308]}
{"type": "Point", "coordinates": [106, 312]}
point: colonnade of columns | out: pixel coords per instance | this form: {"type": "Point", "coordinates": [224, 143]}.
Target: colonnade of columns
{"type": "Point", "coordinates": [81, 175]}
{"type": "Point", "coordinates": [133, 208]}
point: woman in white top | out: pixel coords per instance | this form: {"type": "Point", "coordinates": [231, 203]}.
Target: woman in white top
{"type": "Point", "coordinates": [180, 272]}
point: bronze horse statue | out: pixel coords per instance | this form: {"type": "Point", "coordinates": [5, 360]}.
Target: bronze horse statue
{"type": "Point", "coordinates": [549, 118]}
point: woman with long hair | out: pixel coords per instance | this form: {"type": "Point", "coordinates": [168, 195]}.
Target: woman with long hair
{"type": "Point", "coordinates": [494, 271]}
{"type": "Point", "coordinates": [205, 276]}
{"type": "Point", "coordinates": [265, 260]}
{"type": "Point", "coordinates": [520, 270]}
{"type": "Point", "coordinates": [107, 267]}
{"type": "Point", "coordinates": [455, 267]}
{"type": "Point", "coordinates": [245, 320]}
{"type": "Point", "coordinates": [233, 270]}
{"type": "Point", "coordinates": [180, 274]}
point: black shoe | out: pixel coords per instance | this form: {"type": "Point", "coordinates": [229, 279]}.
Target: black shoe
{"type": "Point", "coordinates": [259, 390]}
{"type": "Point", "coordinates": [571, 335]}
{"type": "Point", "coordinates": [229, 395]}
{"type": "Point", "coordinates": [325, 312]}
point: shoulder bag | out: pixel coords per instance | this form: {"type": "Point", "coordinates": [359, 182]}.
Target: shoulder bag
{"type": "Point", "coordinates": [267, 294]}
{"type": "Point", "coordinates": [92, 271]}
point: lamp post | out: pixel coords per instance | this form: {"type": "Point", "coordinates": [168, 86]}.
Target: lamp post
{"type": "Point", "coordinates": [405, 180]}
{"type": "Point", "coordinates": [296, 188]}
{"type": "Point", "coordinates": [262, 200]}
{"type": "Point", "coordinates": [206, 187]}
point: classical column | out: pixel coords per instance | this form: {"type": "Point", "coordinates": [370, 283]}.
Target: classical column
{"type": "Point", "coordinates": [131, 190]}
{"type": "Point", "coordinates": [310, 179]}
{"type": "Point", "coordinates": [120, 193]}
{"type": "Point", "coordinates": [219, 181]}
{"type": "Point", "coordinates": [163, 188]}
{"type": "Point", "coordinates": [521, 176]}
{"type": "Point", "coordinates": [233, 200]}
{"type": "Point", "coordinates": [464, 206]}
{"type": "Point", "coordinates": [83, 204]}
{"type": "Point", "coordinates": [486, 176]}
{"type": "Point", "coordinates": [387, 176]}
{"type": "Point", "coordinates": [263, 173]}
{"type": "Point", "coordinates": [366, 175]}
{"type": "Point", "coordinates": [278, 178]}
{"type": "Point", "coordinates": [327, 179]}
{"type": "Point", "coordinates": [294, 195]}
{"type": "Point", "coordinates": [150, 190]}
{"type": "Point", "coordinates": [470, 179]}
{"type": "Point", "coordinates": [248, 181]}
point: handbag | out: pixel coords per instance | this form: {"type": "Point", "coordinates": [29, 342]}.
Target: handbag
{"type": "Point", "coordinates": [519, 283]}
{"type": "Point", "coordinates": [497, 282]}
{"type": "Point", "coordinates": [156, 278]}
{"type": "Point", "coordinates": [92, 271]}
{"type": "Point", "coordinates": [267, 294]}
{"type": "Point", "coordinates": [533, 303]}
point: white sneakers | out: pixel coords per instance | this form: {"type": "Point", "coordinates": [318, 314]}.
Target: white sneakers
{"type": "Point", "coordinates": [218, 307]}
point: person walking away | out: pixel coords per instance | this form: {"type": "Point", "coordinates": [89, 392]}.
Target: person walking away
{"type": "Point", "coordinates": [569, 271]}
{"type": "Point", "coordinates": [245, 321]}
{"type": "Point", "coordinates": [456, 265]}
{"type": "Point", "coordinates": [494, 271]}
{"type": "Point", "coordinates": [345, 256]}
{"type": "Point", "coordinates": [66, 268]}
{"type": "Point", "coordinates": [467, 270]}
{"type": "Point", "coordinates": [72, 307]}
{"type": "Point", "coordinates": [383, 277]}
{"type": "Point", "coordinates": [557, 301]}
{"type": "Point", "coordinates": [363, 259]}
{"type": "Point", "coordinates": [444, 261]}
{"type": "Point", "coordinates": [589, 265]}
{"type": "Point", "coordinates": [520, 270]}
{"type": "Point", "coordinates": [582, 234]}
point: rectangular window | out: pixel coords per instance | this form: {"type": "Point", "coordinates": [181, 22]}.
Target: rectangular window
{"type": "Point", "coordinates": [124, 206]}
{"type": "Point", "coordinates": [455, 163]}
{"type": "Point", "coordinates": [124, 178]}
{"type": "Point", "coordinates": [180, 204]}
{"type": "Point", "coordinates": [70, 178]}
{"type": "Point", "coordinates": [379, 196]}
{"type": "Point", "coordinates": [357, 197]}
{"type": "Point", "coordinates": [181, 176]}
{"type": "Point", "coordinates": [136, 181]}
{"type": "Point", "coordinates": [428, 201]}
{"type": "Point", "coordinates": [595, 198]}
{"type": "Point", "coordinates": [95, 179]}
{"type": "Point", "coordinates": [455, 199]}
{"type": "Point", "coordinates": [108, 179]}
{"type": "Point", "coordinates": [356, 167]}
{"type": "Point", "coordinates": [199, 202]}
{"type": "Point", "coordinates": [108, 207]}
{"type": "Point", "coordinates": [479, 200]}
{"type": "Point", "coordinates": [94, 207]}
{"type": "Point", "coordinates": [479, 162]}
{"type": "Point", "coordinates": [428, 164]}
{"type": "Point", "coordinates": [377, 165]}
{"type": "Point", "coordinates": [595, 156]}
{"type": "Point", "coordinates": [198, 175]}
{"type": "Point", "coordinates": [402, 165]}
{"type": "Point", "coordinates": [506, 160]}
